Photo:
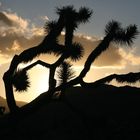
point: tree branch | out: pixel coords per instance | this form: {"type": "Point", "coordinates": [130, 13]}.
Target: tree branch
{"type": "Point", "coordinates": [91, 58]}
{"type": "Point", "coordinates": [36, 63]}
{"type": "Point", "coordinates": [121, 78]}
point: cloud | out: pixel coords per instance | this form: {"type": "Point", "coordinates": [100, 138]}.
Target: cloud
{"type": "Point", "coordinates": [15, 47]}
{"type": "Point", "coordinates": [36, 31]}
{"type": "Point", "coordinates": [110, 57]}
{"type": "Point", "coordinates": [87, 37]}
{"type": "Point", "coordinates": [113, 57]}
{"type": "Point", "coordinates": [5, 20]}
{"type": "Point", "coordinates": [130, 57]}
{"type": "Point", "coordinates": [4, 58]}
{"type": "Point", "coordinates": [12, 23]}
{"type": "Point", "coordinates": [45, 18]}
{"type": "Point", "coordinates": [18, 34]}
{"type": "Point", "coordinates": [17, 20]}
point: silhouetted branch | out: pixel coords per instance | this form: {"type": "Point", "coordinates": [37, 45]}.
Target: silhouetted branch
{"type": "Point", "coordinates": [106, 79]}
{"type": "Point", "coordinates": [44, 64]}
{"type": "Point", "coordinates": [72, 19]}
{"type": "Point", "coordinates": [128, 78]}
{"type": "Point", "coordinates": [91, 58]}
{"type": "Point", "coordinates": [112, 30]}
{"type": "Point", "coordinates": [121, 78]}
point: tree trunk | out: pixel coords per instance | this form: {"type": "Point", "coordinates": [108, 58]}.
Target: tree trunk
{"type": "Point", "coordinates": [7, 78]}
{"type": "Point", "coordinates": [95, 53]}
{"type": "Point", "coordinates": [9, 93]}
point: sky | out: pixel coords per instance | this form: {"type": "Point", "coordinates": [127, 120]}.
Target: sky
{"type": "Point", "coordinates": [21, 27]}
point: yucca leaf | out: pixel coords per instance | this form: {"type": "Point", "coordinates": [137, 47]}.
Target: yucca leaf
{"type": "Point", "coordinates": [66, 11]}
{"type": "Point", "coordinates": [53, 48]}
{"type": "Point", "coordinates": [128, 78]}
{"type": "Point", "coordinates": [112, 27]}
{"type": "Point", "coordinates": [20, 80]}
{"type": "Point", "coordinates": [75, 52]}
{"type": "Point", "coordinates": [126, 36]}
{"type": "Point", "coordinates": [84, 14]}
{"type": "Point", "coordinates": [121, 78]}
{"type": "Point", "coordinates": [65, 73]}
{"type": "Point", "coordinates": [49, 26]}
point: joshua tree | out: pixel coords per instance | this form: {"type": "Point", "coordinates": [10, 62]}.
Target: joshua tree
{"type": "Point", "coordinates": [113, 33]}
{"type": "Point", "coordinates": [26, 56]}
{"type": "Point", "coordinates": [70, 49]}
{"type": "Point", "coordinates": [48, 45]}
{"type": "Point", "coordinates": [69, 19]}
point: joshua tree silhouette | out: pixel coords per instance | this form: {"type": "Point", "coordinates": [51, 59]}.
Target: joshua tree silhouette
{"type": "Point", "coordinates": [48, 45]}
{"type": "Point", "coordinates": [27, 56]}
{"type": "Point", "coordinates": [69, 19]}
{"type": "Point", "coordinates": [113, 33]}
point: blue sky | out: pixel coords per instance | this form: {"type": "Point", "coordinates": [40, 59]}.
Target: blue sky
{"type": "Point", "coordinates": [125, 11]}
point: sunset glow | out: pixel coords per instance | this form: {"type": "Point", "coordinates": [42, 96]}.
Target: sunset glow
{"type": "Point", "coordinates": [69, 69]}
{"type": "Point", "coordinates": [22, 29]}
{"type": "Point", "coordinates": [38, 81]}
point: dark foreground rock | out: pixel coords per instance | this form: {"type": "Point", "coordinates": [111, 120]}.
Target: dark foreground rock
{"type": "Point", "coordinates": [101, 113]}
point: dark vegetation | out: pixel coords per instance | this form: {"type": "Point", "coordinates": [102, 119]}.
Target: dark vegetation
{"type": "Point", "coordinates": [90, 111]}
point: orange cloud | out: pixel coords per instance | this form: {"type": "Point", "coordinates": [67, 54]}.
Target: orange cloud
{"type": "Point", "coordinates": [18, 34]}
{"type": "Point", "coordinates": [5, 20]}
{"type": "Point", "coordinates": [130, 57]}
{"type": "Point", "coordinates": [4, 58]}
{"type": "Point", "coordinates": [15, 47]}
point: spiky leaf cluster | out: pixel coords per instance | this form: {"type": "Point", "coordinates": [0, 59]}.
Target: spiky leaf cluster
{"type": "Point", "coordinates": [73, 17]}
{"type": "Point", "coordinates": [75, 52]}
{"type": "Point", "coordinates": [65, 73]}
{"type": "Point", "coordinates": [70, 15]}
{"type": "Point", "coordinates": [126, 36]}
{"type": "Point", "coordinates": [112, 27]}
{"type": "Point", "coordinates": [122, 78]}
{"type": "Point", "coordinates": [121, 35]}
{"type": "Point", "coordinates": [52, 48]}
{"type": "Point", "coordinates": [84, 14]}
{"type": "Point", "coordinates": [49, 26]}
{"type": "Point", "coordinates": [66, 11]}
{"type": "Point", "coordinates": [20, 80]}
{"type": "Point", "coordinates": [128, 78]}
